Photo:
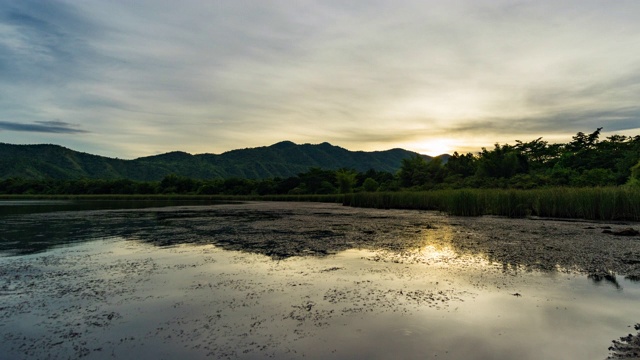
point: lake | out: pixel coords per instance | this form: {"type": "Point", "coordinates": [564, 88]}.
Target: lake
{"type": "Point", "coordinates": [293, 280]}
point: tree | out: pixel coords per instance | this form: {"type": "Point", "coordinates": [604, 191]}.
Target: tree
{"type": "Point", "coordinates": [539, 154]}
{"type": "Point", "coordinates": [463, 165]}
{"type": "Point", "coordinates": [211, 187]}
{"type": "Point", "coordinates": [315, 180]}
{"type": "Point", "coordinates": [413, 171]}
{"type": "Point", "coordinates": [379, 176]}
{"type": "Point", "coordinates": [177, 184]}
{"type": "Point", "coordinates": [635, 175]}
{"type": "Point", "coordinates": [237, 186]}
{"type": "Point", "coordinates": [370, 185]}
{"type": "Point", "coordinates": [326, 188]}
{"type": "Point", "coordinates": [346, 179]}
{"type": "Point", "coordinates": [266, 187]}
{"type": "Point", "coordinates": [594, 177]}
{"type": "Point", "coordinates": [501, 162]}
{"type": "Point", "coordinates": [435, 171]}
{"type": "Point", "coordinates": [583, 142]}
{"type": "Point", "coordinates": [286, 185]}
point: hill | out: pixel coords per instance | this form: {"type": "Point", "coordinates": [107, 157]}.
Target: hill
{"type": "Point", "coordinates": [283, 159]}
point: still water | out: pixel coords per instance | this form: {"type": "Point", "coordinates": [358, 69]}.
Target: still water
{"type": "Point", "coordinates": [163, 283]}
{"type": "Point", "coordinates": [15, 207]}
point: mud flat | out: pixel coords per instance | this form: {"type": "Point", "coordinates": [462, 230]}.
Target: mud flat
{"type": "Point", "coordinates": [293, 280]}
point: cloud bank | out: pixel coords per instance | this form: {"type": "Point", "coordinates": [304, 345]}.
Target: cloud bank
{"type": "Point", "coordinates": [154, 76]}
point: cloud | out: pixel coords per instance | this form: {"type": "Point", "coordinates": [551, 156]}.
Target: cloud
{"type": "Point", "coordinates": [214, 76]}
{"type": "Point", "coordinates": [44, 43]}
{"type": "Point", "coordinates": [56, 127]}
{"type": "Point", "coordinates": [561, 122]}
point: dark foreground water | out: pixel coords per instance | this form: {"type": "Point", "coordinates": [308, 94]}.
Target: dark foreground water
{"type": "Point", "coordinates": [289, 281]}
{"type": "Point", "coordinates": [15, 207]}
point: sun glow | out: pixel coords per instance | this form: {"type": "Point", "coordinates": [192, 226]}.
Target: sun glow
{"type": "Point", "coordinates": [431, 252]}
{"type": "Point", "coordinates": [435, 147]}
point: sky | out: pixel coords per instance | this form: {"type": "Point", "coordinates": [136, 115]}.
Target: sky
{"type": "Point", "coordinates": [126, 79]}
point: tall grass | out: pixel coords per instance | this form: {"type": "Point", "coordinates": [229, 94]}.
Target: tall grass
{"type": "Point", "coordinates": [609, 203]}
{"type": "Point", "coordinates": [604, 203]}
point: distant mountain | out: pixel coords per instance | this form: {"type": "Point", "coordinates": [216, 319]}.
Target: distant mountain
{"type": "Point", "coordinates": [283, 159]}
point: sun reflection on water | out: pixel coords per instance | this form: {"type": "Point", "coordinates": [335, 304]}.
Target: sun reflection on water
{"type": "Point", "coordinates": [434, 246]}
{"type": "Point", "coordinates": [436, 253]}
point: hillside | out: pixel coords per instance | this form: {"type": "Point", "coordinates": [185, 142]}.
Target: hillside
{"type": "Point", "coordinates": [283, 159]}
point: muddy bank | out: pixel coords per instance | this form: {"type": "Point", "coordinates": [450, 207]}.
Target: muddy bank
{"type": "Point", "coordinates": [283, 230]}
{"type": "Point", "coordinates": [627, 347]}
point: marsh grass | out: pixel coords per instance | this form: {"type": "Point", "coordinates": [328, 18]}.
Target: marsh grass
{"type": "Point", "coordinates": [600, 203]}
{"type": "Point", "coordinates": [609, 203]}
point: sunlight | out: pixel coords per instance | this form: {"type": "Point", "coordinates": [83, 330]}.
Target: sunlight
{"type": "Point", "coordinates": [435, 147]}
{"type": "Point", "coordinates": [431, 252]}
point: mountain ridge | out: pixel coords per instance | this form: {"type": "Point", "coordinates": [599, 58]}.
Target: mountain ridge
{"type": "Point", "coordinates": [282, 159]}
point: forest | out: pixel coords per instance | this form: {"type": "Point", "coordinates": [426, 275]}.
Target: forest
{"type": "Point", "coordinates": [586, 161]}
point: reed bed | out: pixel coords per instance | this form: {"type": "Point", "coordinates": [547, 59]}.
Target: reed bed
{"type": "Point", "coordinates": [600, 203]}
{"type": "Point", "coordinates": [606, 203]}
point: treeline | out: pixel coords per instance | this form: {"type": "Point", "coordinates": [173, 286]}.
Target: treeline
{"type": "Point", "coordinates": [314, 181]}
{"type": "Point", "coordinates": [586, 161]}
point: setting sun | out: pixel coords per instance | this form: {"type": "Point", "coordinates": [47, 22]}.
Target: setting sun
{"type": "Point", "coordinates": [434, 147]}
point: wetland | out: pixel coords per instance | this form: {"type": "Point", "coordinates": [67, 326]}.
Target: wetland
{"type": "Point", "coordinates": [313, 280]}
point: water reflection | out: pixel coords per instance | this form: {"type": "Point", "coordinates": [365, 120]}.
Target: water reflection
{"type": "Point", "coordinates": [17, 207]}
{"type": "Point", "coordinates": [431, 252]}
{"type": "Point", "coordinates": [607, 278]}
{"type": "Point", "coordinates": [284, 230]}
{"type": "Point", "coordinates": [436, 251]}
{"type": "Point", "coordinates": [126, 299]}
{"type": "Point", "coordinates": [437, 245]}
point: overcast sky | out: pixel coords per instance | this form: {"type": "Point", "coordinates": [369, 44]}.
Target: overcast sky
{"type": "Point", "coordinates": [135, 78]}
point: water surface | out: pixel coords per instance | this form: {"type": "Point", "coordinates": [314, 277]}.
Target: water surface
{"type": "Point", "coordinates": [15, 207]}
{"type": "Point", "coordinates": [181, 282]}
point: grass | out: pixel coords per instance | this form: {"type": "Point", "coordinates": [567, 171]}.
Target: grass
{"type": "Point", "coordinates": [607, 203]}
{"type": "Point", "coordinates": [603, 203]}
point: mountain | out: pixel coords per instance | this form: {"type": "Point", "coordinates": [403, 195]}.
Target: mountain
{"type": "Point", "coordinates": [283, 159]}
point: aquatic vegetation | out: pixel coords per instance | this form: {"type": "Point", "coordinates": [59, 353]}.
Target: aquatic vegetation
{"type": "Point", "coordinates": [600, 203]}
{"type": "Point", "coordinates": [592, 203]}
